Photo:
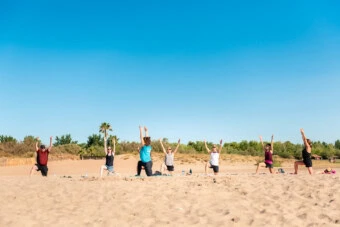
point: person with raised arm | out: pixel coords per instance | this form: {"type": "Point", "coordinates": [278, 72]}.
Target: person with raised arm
{"type": "Point", "coordinates": [145, 153]}
{"type": "Point", "coordinates": [306, 154]}
{"type": "Point", "coordinates": [268, 155]}
{"type": "Point", "coordinates": [214, 157]}
{"type": "Point", "coordinates": [41, 158]}
{"type": "Point", "coordinates": [168, 163]}
{"type": "Point", "coordinates": [109, 158]}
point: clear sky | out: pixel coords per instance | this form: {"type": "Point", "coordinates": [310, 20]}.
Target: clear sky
{"type": "Point", "coordinates": [193, 70]}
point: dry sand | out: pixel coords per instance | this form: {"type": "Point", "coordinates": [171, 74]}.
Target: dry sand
{"type": "Point", "coordinates": [236, 197]}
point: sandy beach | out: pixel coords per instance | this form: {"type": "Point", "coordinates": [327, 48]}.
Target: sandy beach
{"type": "Point", "coordinates": [236, 197]}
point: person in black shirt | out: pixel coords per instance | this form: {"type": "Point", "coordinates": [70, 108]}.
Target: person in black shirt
{"type": "Point", "coordinates": [306, 155]}
{"type": "Point", "coordinates": [109, 159]}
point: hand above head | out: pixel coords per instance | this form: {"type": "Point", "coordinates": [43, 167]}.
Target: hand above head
{"type": "Point", "coordinates": [260, 138]}
{"type": "Point", "coordinates": [221, 141]}
{"type": "Point", "coordinates": [113, 140]}
{"type": "Point", "coordinates": [145, 128]}
{"type": "Point", "coordinates": [51, 137]}
{"type": "Point", "coordinates": [302, 131]}
{"type": "Point", "coordinates": [179, 141]}
{"type": "Point", "coordinates": [160, 139]}
{"type": "Point", "coordinates": [38, 138]}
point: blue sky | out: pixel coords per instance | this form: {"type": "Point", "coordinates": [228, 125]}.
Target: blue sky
{"type": "Point", "coordinates": [193, 70]}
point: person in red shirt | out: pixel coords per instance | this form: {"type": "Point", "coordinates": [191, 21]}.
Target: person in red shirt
{"type": "Point", "coordinates": [41, 158]}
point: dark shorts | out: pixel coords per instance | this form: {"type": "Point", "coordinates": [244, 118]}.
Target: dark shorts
{"type": "Point", "coordinates": [268, 165]}
{"type": "Point", "coordinates": [170, 168]}
{"type": "Point", "coordinates": [308, 162]}
{"type": "Point", "coordinates": [215, 168]}
{"type": "Point", "coordinates": [42, 169]}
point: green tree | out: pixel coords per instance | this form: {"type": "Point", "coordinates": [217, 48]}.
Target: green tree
{"type": "Point", "coordinates": [337, 144]}
{"type": "Point", "coordinates": [104, 128]}
{"type": "Point", "coordinates": [6, 139]}
{"type": "Point", "coordinates": [95, 140]}
{"type": "Point", "coordinates": [64, 139]}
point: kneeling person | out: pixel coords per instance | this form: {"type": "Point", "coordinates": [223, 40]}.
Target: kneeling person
{"type": "Point", "coordinates": [41, 158]}
{"type": "Point", "coordinates": [214, 158]}
{"type": "Point", "coordinates": [168, 163]}
{"type": "Point", "coordinates": [109, 159]}
{"type": "Point", "coordinates": [145, 153]}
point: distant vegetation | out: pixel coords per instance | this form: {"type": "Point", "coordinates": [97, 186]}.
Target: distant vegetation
{"type": "Point", "coordinates": [64, 144]}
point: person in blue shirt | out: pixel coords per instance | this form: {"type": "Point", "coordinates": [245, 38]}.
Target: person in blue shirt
{"type": "Point", "coordinates": [145, 153]}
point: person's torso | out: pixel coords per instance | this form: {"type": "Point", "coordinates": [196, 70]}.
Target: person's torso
{"type": "Point", "coordinates": [42, 157]}
{"type": "Point", "coordinates": [268, 157]}
{"type": "Point", "coordinates": [109, 160]}
{"type": "Point", "coordinates": [214, 156]}
{"type": "Point", "coordinates": [169, 159]}
{"type": "Point", "coordinates": [145, 154]}
{"type": "Point", "coordinates": [305, 154]}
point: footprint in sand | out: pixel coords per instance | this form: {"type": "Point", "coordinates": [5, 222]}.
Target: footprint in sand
{"type": "Point", "coordinates": [302, 216]}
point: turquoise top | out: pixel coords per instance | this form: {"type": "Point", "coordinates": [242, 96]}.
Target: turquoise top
{"type": "Point", "coordinates": [145, 153]}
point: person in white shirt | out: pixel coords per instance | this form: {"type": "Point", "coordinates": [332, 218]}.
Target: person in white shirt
{"type": "Point", "coordinates": [214, 157]}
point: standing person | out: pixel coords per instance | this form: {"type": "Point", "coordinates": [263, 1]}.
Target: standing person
{"type": "Point", "coordinates": [41, 158]}
{"type": "Point", "coordinates": [306, 154]}
{"type": "Point", "coordinates": [145, 153]}
{"type": "Point", "coordinates": [268, 155]}
{"type": "Point", "coordinates": [168, 163]}
{"type": "Point", "coordinates": [109, 157]}
{"type": "Point", "coordinates": [214, 157]}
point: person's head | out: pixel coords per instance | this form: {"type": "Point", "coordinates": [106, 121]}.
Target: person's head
{"type": "Point", "coordinates": [169, 150]}
{"type": "Point", "coordinates": [147, 140]}
{"type": "Point", "coordinates": [309, 142]}
{"type": "Point", "coordinates": [214, 148]}
{"type": "Point", "coordinates": [109, 150]}
{"type": "Point", "coordinates": [268, 147]}
{"type": "Point", "coordinates": [42, 148]}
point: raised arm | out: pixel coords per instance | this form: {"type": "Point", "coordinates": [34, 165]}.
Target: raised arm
{"type": "Point", "coordinates": [179, 142]}
{"type": "Point", "coordinates": [160, 140]}
{"type": "Point", "coordinates": [206, 147]}
{"type": "Point", "coordinates": [50, 147]}
{"type": "Point", "coordinates": [37, 144]}
{"type": "Point", "coordinates": [114, 146]}
{"type": "Point", "coordinates": [272, 144]}
{"type": "Point", "coordinates": [261, 142]}
{"type": "Point", "coordinates": [220, 150]}
{"type": "Point", "coordinates": [141, 135]}
{"type": "Point", "coordinates": [146, 131]}
{"type": "Point", "coordinates": [305, 139]}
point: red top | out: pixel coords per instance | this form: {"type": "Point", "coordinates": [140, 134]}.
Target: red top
{"type": "Point", "coordinates": [42, 157]}
{"type": "Point", "coordinates": [268, 156]}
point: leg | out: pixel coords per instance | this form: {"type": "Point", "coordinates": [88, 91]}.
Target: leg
{"type": "Point", "coordinates": [296, 166]}
{"type": "Point", "coordinates": [148, 168]}
{"type": "Point", "coordinates": [44, 171]}
{"type": "Point", "coordinates": [310, 170]}
{"type": "Point", "coordinates": [216, 170]}
{"type": "Point", "coordinates": [101, 170]}
{"type": "Point", "coordinates": [261, 164]}
{"type": "Point", "coordinates": [270, 170]}
{"type": "Point", "coordinates": [34, 168]}
{"type": "Point", "coordinates": [139, 168]}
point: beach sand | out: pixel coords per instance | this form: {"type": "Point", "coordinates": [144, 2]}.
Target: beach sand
{"type": "Point", "coordinates": [236, 197]}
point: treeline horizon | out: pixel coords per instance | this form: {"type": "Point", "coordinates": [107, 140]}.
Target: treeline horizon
{"type": "Point", "coordinates": [64, 144]}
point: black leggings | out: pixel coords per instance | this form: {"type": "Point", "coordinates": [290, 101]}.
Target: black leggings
{"type": "Point", "coordinates": [147, 167]}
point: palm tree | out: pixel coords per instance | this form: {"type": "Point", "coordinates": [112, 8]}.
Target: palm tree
{"type": "Point", "coordinates": [104, 128]}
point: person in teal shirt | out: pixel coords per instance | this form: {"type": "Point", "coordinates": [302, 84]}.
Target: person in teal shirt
{"type": "Point", "coordinates": [145, 153]}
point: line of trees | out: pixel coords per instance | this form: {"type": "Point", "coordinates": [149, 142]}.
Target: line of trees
{"type": "Point", "coordinates": [96, 143]}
